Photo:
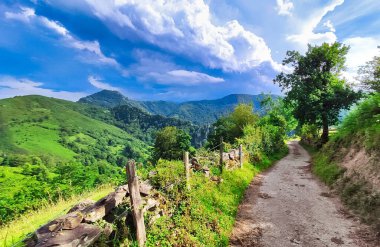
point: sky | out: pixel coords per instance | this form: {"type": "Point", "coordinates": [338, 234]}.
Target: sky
{"type": "Point", "coordinates": [177, 50]}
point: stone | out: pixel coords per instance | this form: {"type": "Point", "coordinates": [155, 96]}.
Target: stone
{"type": "Point", "coordinates": [103, 206]}
{"type": "Point", "coordinates": [84, 235]}
{"type": "Point", "coordinates": [82, 205]}
{"type": "Point", "coordinates": [150, 205]}
{"type": "Point", "coordinates": [145, 188]}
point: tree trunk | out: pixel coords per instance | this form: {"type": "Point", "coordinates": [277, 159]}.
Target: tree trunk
{"type": "Point", "coordinates": [325, 133]}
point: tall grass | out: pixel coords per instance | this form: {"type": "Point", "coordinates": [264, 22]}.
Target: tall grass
{"type": "Point", "coordinates": [15, 231]}
{"type": "Point", "coordinates": [205, 215]}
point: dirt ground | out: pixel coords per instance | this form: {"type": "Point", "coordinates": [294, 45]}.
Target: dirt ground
{"type": "Point", "coordinates": [288, 206]}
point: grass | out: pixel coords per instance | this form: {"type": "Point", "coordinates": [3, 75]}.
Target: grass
{"type": "Point", "coordinates": [360, 130]}
{"type": "Point", "coordinates": [205, 216]}
{"type": "Point", "coordinates": [32, 125]}
{"type": "Point", "coordinates": [57, 133]}
{"type": "Point", "coordinates": [15, 231]}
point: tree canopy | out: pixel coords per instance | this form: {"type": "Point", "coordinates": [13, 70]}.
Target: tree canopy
{"type": "Point", "coordinates": [314, 88]}
{"type": "Point", "coordinates": [232, 126]}
{"type": "Point", "coordinates": [170, 144]}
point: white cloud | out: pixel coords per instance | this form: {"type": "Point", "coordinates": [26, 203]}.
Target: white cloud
{"type": "Point", "coordinates": [184, 77]}
{"type": "Point", "coordinates": [96, 82]}
{"type": "Point", "coordinates": [329, 25]}
{"type": "Point", "coordinates": [307, 34]}
{"type": "Point", "coordinates": [11, 86]}
{"type": "Point", "coordinates": [284, 7]}
{"type": "Point", "coordinates": [362, 50]}
{"type": "Point", "coordinates": [184, 27]}
{"type": "Point", "coordinates": [27, 15]}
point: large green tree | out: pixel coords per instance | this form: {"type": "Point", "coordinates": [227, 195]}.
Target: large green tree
{"type": "Point", "coordinates": [170, 144]}
{"type": "Point", "coordinates": [314, 88]}
{"type": "Point", "coordinates": [232, 126]}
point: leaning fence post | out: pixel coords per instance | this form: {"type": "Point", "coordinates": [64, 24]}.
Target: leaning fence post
{"type": "Point", "coordinates": [187, 168]}
{"type": "Point", "coordinates": [241, 155]}
{"type": "Point", "coordinates": [136, 202]}
{"type": "Point", "coordinates": [221, 149]}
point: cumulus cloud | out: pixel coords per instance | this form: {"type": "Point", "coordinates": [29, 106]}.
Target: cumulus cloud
{"type": "Point", "coordinates": [28, 15]}
{"type": "Point", "coordinates": [284, 7]}
{"type": "Point", "coordinates": [362, 50]}
{"type": "Point", "coordinates": [96, 82]}
{"type": "Point", "coordinates": [184, 27]}
{"type": "Point", "coordinates": [183, 77]}
{"type": "Point", "coordinates": [11, 86]}
{"type": "Point", "coordinates": [307, 34]}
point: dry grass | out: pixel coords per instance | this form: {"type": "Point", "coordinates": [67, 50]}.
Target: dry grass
{"type": "Point", "coordinates": [14, 232]}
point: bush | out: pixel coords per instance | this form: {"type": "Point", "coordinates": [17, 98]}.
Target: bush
{"type": "Point", "coordinates": [309, 134]}
{"type": "Point", "coordinates": [171, 143]}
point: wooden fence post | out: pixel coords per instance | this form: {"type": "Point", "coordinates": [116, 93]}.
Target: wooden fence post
{"type": "Point", "coordinates": [221, 149]}
{"type": "Point", "coordinates": [241, 155]}
{"type": "Point", "coordinates": [136, 202]}
{"type": "Point", "coordinates": [187, 168]}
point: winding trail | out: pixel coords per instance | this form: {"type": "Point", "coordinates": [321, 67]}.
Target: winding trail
{"type": "Point", "coordinates": [287, 206]}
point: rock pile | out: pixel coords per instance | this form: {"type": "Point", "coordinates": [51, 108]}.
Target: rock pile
{"type": "Point", "coordinates": [78, 227]}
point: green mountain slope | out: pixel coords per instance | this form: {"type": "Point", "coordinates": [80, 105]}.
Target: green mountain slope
{"type": "Point", "coordinates": [50, 149]}
{"type": "Point", "coordinates": [198, 112]}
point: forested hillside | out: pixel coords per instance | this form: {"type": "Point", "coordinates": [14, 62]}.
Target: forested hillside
{"type": "Point", "coordinates": [198, 112]}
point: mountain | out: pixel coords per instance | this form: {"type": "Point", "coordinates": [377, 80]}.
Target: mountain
{"type": "Point", "coordinates": [198, 112]}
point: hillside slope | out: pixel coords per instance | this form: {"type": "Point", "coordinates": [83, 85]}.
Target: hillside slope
{"type": "Point", "coordinates": [50, 149]}
{"type": "Point", "coordinates": [198, 112]}
{"type": "Point", "coordinates": [350, 161]}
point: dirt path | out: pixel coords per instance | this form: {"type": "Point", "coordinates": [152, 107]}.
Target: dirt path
{"type": "Point", "coordinates": [287, 206]}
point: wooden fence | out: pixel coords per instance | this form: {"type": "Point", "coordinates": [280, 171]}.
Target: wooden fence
{"type": "Point", "coordinates": [75, 228]}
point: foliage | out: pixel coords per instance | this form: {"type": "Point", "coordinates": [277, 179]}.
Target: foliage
{"type": "Point", "coordinates": [314, 88]}
{"type": "Point", "coordinates": [171, 143]}
{"type": "Point", "coordinates": [362, 123]}
{"type": "Point", "coordinates": [359, 130]}
{"type": "Point", "coordinates": [16, 230]}
{"type": "Point", "coordinates": [232, 126]}
{"type": "Point", "coordinates": [369, 75]}
{"type": "Point", "coordinates": [326, 169]}
{"type": "Point", "coordinates": [52, 150]}
{"type": "Point", "coordinates": [280, 114]}
{"type": "Point", "coordinates": [309, 134]}
{"type": "Point", "coordinates": [203, 112]}
{"type": "Point", "coordinates": [205, 215]}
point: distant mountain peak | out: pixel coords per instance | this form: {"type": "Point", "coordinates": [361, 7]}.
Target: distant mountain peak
{"type": "Point", "coordinates": [105, 98]}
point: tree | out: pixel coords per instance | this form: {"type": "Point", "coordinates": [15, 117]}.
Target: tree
{"type": "Point", "coordinates": [171, 143]}
{"type": "Point", "coordinates": [369, 75]}
{"type": "Point", "coordinates": [314, 88]}
{"type": "Point", "coordinates": [278, 114]}
{"type": "Point", "coordinates": [232, 126]}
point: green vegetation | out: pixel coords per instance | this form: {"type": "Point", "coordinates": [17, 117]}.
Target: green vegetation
{"type": "Point", "coordinates": [51, 150]}
{"type": "Point", "coordinates": [314, 89]}
{"type": "Point", "coordinates": [359, 131]}
{"type": "Point", "coordinates": [204, 216]}
{"type": "Point", "coordinates": [171, 143]}
{"type": "Point", "coordinates": [54, 149]}
{"type": "Point", "coordinates": [201, 112]}
{"type": "Point", "coordinates": [16, 231]}
{"type": "Point", "coordinates": [362, 124]}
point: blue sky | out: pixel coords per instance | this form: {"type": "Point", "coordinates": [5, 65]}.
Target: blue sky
{"type": "Point", "coordinates": [171, 50]}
